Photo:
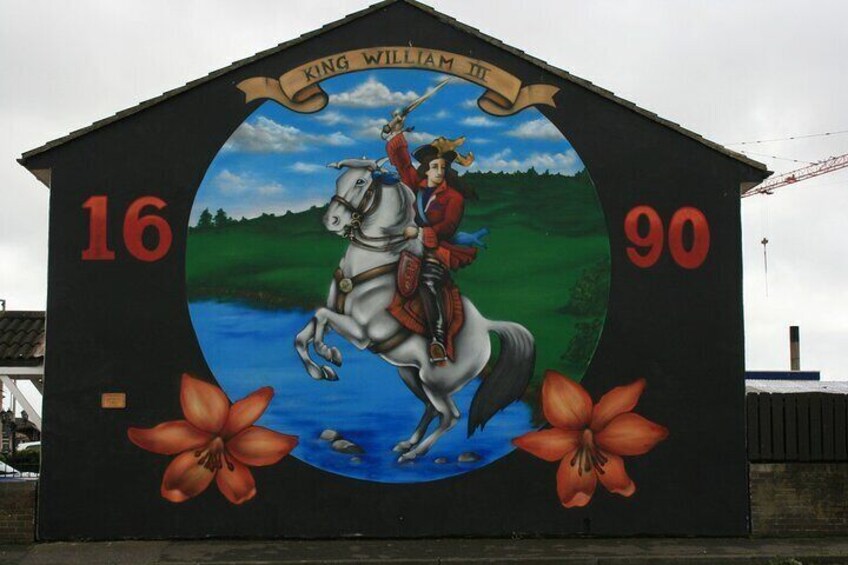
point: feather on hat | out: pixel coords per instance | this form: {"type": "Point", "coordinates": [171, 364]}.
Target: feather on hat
{"type": "Point", "coordinates": [443, 148]}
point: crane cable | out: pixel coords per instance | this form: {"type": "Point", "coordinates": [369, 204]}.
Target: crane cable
{"type": "Point", "coordinates": [791, 138]}
{"type": "Point", "coordinates": [779, 158]}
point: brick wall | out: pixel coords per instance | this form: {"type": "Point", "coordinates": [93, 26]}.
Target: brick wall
{"type": "Point", "coordinates": [799, 499]}
{"type": "Point", "coordinates": [17, 511]}
{"type": "Point", "coordinates": [787, 499]}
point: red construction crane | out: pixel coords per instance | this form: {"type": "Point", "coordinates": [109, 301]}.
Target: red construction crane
{"type": "Point", "coordinates": [804, 173]}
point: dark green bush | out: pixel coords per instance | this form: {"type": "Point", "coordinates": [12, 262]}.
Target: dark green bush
{"type": "Point", "coordinates": [582, 345]}
{"type": "Point", "coordinates": [27, 461]}
{"type": "Point", "coordinates": [590, 291]}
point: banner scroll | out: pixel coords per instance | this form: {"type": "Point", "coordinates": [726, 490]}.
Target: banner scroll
{"type": "Point", "coordinates": [299, 89]}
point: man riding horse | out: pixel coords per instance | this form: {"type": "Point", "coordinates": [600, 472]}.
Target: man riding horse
{"type": "Point", "coordinates": [440, 204]}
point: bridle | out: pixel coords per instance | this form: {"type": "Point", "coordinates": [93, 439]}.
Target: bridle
{"type": "Point", "coordinates": [358, 213]}
{"type": "Point", "coordinates": [353, 231]}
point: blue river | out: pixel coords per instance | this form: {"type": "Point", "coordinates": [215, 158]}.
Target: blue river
{"type": "Point", "coordinates": [247, 348]}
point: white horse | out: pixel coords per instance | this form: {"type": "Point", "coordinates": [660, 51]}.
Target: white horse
{"type": "Point", "coordinates": [373, 215]}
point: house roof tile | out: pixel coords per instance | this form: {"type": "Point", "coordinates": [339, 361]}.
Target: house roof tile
{"type": "Point", "coordinates": [21, 338]}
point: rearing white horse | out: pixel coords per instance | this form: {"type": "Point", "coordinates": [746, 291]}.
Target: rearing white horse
{"type": "Point", "coordinates": [373, 215]}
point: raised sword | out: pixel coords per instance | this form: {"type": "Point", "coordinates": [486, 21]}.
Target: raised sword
{"type": "Point", "coordinates": [403, 112]}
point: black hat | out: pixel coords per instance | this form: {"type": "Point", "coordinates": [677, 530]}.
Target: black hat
{"type": "Point", "coordinates": [427, 153]}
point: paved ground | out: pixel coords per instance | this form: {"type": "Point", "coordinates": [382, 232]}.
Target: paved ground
{"type": "Point", "coordinates": [821, 551]}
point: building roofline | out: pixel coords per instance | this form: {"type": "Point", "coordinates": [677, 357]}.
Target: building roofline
{"type": "Point", "coordinates": [23, 313]}
{"type": "Point", "coordinates": [373, 8]}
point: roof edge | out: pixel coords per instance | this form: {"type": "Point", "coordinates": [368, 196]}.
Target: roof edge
{"type": "Point", "coordinates": [609, 95]}
{"type": "Point", "coordinates": [24, 313]}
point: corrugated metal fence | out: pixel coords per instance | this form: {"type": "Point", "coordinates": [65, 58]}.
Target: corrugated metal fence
{"type": "Point", "coordinates": [797, 427]}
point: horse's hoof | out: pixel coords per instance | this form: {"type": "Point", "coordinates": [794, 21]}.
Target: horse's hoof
{"type": "Point", "coordinates": [402, 447]}
{"type": "Point", "coordinates": [407, 457]}
{"type": "Point", "coordinates": [329, 373]}
{"type": "Point", "coordinates": [336, 356]}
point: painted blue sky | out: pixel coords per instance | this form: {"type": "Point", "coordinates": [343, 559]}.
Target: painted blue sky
{"type": "Point", "coordinates": [276, 160]}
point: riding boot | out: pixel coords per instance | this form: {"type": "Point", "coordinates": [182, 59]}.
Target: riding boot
{"type": "Point", "coordinates": [433, 278]}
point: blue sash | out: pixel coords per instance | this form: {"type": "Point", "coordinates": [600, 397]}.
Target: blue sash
{"type": "Point", "coordinates": [471, 239]}
{"type": "Point", "coordinates": [419, 201]}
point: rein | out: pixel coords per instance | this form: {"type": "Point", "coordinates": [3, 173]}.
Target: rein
{"type": "Point", "coordinates": [367, 206]}
{"type": "Point", "coordinates": [345, 286]}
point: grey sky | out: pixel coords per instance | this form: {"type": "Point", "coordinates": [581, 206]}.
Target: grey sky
{"type": "Point", "coordinates": [729, 70]}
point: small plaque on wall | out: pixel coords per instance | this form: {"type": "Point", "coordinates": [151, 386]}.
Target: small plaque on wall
{"type": "Point", "coordinates": [113, 400]}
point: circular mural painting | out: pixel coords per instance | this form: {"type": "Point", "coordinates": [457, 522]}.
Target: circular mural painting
{"type": "Point", "coordinates": [405, 301]}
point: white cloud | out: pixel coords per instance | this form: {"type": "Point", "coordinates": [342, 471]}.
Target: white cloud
{"type": "Point", "coordinates": [301, 167]}
{"type": "Point", "coordinates": [269, 188]}
{"type": "Point", "coordinates": [566, 163]}
{"type": "Point", "coordinates": [228, 182]}
{"type": "Point", "coordinates": [267, 136]}
{"type": "Point", "coordinates": [441, 114]}
{"type": "Point", "coordinates": [480, 122]}
{"type": "Point", "coordinates": [372, 94]}
{"type": "Point", "coordinates": [419, 137]}
{"type": "Point", "coordinates": [370, 128]}
{"type": "Point", "coordinates": [332, 118]}
{"type": "Point", "coordinates": [537, 129]}
{"type": "Point", "coordinates": [470, 103]}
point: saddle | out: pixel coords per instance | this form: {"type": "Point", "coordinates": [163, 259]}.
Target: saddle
{"type": "Point", "coordinates": [406, 305]}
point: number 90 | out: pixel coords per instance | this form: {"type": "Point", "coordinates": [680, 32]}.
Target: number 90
{"type": "Point", "coordinates": [648, 244]}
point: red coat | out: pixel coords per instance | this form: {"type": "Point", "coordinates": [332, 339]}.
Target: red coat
{"type": "Point", "coordinates": [444, 210]}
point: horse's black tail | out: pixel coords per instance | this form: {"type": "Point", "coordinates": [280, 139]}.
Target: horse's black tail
{"type": "Point", "coordinates": [510, 376]}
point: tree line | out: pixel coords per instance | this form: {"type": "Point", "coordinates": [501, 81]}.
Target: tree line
{"type": "Point", "coordinates": [219, 220]}
{"type": "Point", "coordinates": [222, 219]}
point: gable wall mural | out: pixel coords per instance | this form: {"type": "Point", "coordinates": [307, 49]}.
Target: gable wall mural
{"type": "Point", "coordinates": [352, 288]}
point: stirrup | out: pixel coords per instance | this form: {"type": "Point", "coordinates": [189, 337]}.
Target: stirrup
{"type": "Point", "coordinates": [438, 355]}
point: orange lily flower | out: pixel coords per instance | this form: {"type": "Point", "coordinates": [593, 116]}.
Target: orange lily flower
{"type": "Point", "coordinates": [216, 440]}
{"type": "Point", "coordinates": [588, 439]}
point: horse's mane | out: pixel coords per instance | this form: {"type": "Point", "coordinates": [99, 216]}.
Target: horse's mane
{"type": "Point", "coordinates": [407, 202]}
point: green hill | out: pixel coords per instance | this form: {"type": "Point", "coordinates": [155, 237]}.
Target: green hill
{"type": "Point", "coordinates": [548, 251]}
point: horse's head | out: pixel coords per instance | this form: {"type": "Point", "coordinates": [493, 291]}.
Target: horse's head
{"type": "Point", "coordinates": [355, 193]}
